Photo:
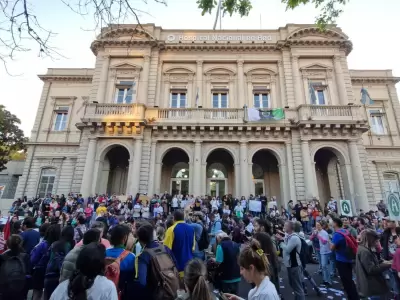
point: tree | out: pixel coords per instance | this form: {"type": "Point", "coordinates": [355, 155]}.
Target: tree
{"type": "Point", "coordinates": [330, 9]}
{"type": "Point", "coordinates": [11, 136]}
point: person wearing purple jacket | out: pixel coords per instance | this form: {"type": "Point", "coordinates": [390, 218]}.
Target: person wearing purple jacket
{"type": "Point", "coordinates": [39, 259]}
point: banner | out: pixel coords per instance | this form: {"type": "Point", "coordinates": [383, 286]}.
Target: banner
{"type": "Point", "coordinates": [345, 208]}
{"type": "Point", "coordinates": [254, 206]}
{"type": "Point", "coordinates": [255, 114]}
{"type": "Point", "coordinates": [393, 204]}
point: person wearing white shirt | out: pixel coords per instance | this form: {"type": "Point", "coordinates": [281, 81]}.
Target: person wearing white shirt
{"type": "Point", "coordinates": [243, 202]}
{"type": "Point", "coordinates": [174, 204]}
{"type": "Point", "coordinates": [214, 204]}
{"type": "Point", "coordinates": [183, 203]}
{"type": "Point", "coordinates": [145, 211]}
{"type": "Point", "coordinates": [226, 210]}
{"type": "Point", "coordinates": [136, 210]}
{"type": "Point", "coordinates": [239, 211]}
{"type": "Point", "coordinates": [254, 268]}
{"type": "Point", "coordinates": [272, 203]}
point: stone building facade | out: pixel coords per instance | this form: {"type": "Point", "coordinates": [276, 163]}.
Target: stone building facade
{"type": "Point", "coordinates": [167, 110]}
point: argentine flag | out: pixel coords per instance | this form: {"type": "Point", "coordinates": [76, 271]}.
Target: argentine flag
{"type": "Point", "coordinates": [365, 98]}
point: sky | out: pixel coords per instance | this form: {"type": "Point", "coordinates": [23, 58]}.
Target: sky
{"type": "Point", "coordinates": [372, 26]}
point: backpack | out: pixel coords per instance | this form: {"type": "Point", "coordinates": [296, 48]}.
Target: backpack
{"type": "Point", "coordinates": [56, 260]}
{"type": "Point", "coordinates": [204, 240]}
{"type": "Point", "coordinates": [351, 245]}
{"type": "Point", "coordinates": [303, 252]}
{"type": "Point", "coordinates": [164, 274]}
{"type": "Point", "coordinates": [13, 274]}
{"type": "Point", "coordinates": [113, 269]}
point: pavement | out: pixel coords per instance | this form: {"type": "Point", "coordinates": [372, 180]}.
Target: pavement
{"type": "Point", "coordinates": [333, 293]}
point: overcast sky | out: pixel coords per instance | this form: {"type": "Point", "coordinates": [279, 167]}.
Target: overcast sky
{"type": "Point", "coordinates": [372, 26]}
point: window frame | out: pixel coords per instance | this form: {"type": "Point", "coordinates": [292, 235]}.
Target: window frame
{"type": "Point", "coordinates": [47, 183]}
{"type": "Point", "coordinates": [318, 87]}
{"type": "Point", "coordinates": [260, 94]}
{"type": "Point", "coordinates": [375, 114]}
{"type": "Point", "coordinates": [62, 111]}
{"type": "Point", "coordinates": [125, 86]}
{"type": "Point", "coordinates": [220, 93]}
{"type": "Point", "coordinates": [178, 99]}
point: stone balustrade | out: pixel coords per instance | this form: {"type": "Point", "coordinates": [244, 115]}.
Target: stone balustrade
{"type": "Point", "coordinates": [330, 113]}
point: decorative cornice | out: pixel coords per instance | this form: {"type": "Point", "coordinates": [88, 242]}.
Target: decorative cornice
{"type": "Point", "coordinates": [80, 78]}
{"type": "Point", "coordinates": [375, 79]}
{"type": "Point", "coordinates": [98, 44]}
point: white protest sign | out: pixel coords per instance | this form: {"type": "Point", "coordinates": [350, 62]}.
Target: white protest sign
{"type": "Point", "coordinates": [254, 206]}
{"type": "Point", "coordinates": [393, 204]}
{"type": "Point", "coordinates": [345, 208]}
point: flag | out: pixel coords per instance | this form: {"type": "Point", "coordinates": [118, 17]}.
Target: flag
{"type": "Point", "coordinates": [311, 90]}
{"type": "Point", "coordinates": [365, 98]}
{"type": "Point", "coordinates": [7, 230]}
{"type": "Point", "coordinates": [255, 114]}
{"type": "Point", "coordinates": [197, 98]}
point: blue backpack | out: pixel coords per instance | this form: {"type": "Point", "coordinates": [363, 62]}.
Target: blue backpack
{"type": "Point", "coordinates": [56, 260]}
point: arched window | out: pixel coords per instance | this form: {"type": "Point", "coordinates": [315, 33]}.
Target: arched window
{"type": "Point", "coordinates": [258, 172]}
{"type": "Point", "coordinates": [180, 170]}
{"type": "Point", "coordinates": [46, 183]}
{"type": "Point", "coordinates": [216, 171]}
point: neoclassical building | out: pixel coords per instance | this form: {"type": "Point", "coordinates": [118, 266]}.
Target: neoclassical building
{"type": "Point", "coordinates": [169, 110]}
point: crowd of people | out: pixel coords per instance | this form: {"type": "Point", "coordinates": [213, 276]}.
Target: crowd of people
{"type": "Point", "coordinates": [185, 247]}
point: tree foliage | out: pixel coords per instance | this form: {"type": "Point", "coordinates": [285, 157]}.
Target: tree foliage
{"type": "Point", "coordinates": [330, 9]}
{"type": "Point", "coordinates": [11, 137]}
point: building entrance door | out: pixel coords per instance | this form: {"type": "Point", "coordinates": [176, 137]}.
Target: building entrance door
{"type": "Point", "coordinates": [179, 186]}
{"type": "Point", "coordinates": [258, 187]}
{"type": "Point", "coordinates": [217, 187]}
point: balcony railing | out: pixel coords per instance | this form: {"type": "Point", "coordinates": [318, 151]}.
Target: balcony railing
{"type": "Point", "coordinates": [200, 115]}
{"type": "Point", "coordinates": [328, 113]}
{"type": "Point", "coordinates": [114, 112]}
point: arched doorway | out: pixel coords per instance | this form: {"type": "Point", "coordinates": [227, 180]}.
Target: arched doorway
{"type": "Point", "coordinates": [265, 174]}
{"type": "Point", "coordinates": [220, 173]}
{"type": "Point", "coordinates": [329, 177]}
{"type": "Point", "coordinates": [175, 176]}
{"type": "Point", "coordinates": [114, 172]}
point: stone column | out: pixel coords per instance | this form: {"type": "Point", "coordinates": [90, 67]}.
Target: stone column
{"type": "Point", "coordinates": [144, 81]}
{"type": "Point", "coordinates": [203, 181]}
{"type": "Point", "coordinates": [101, 91]}
{"type": "Point", "coordinates": [196, 177]}
{"type": "Point", "coordinates": [166, 92]}
{"type": "Point", "coordinates": [250, 179]}
{"type": "Point", "coordinates": [290, 172]}
{"type": "Point", "coordinates": [199, 85]}
{"type": "Point", "coordinates": [137, 159]}
{"type": "Point", "coordinates": [237, 181]}
{"type": "Point", "coordinates": [361, 197]}
{"type": "Point", "coordinates": [298, 90]}
{"type": "Point", "coordinates": [307, 167]}
{"type": "Point", "coordinates": [157, 178]}
{"type": "Point", "coordinates": [244, 177]}
{"type": "Point", "coordinates": [284, 185]}
{"type": "Point", "coordinates": [283, 101]}
{"type": "Point", "coordinates": [159, 81]}
{"type": "Point", "coordinates": [274, 103]}
{"type": "Point", "coordinates": [240, 84]}
{"type": "Point", "coordinates": [86, 185]}
{"type": "Point", "coordinates": [150, 190]}
{"type": "Point", "coordinates": [130, 175]}
{"type": "Point", "coordinates": [340, 80]}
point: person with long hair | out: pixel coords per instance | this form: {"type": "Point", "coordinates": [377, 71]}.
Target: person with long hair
{"type": "Point", "coordinates": [195, 280]}
{"type": "Point", "coordinates": [14, 259]}
{"type": "Point", "coordinates": [370, 281]}
{"type": "Point", "coordinates": [254, 268]}
{"type": "Point", "coordinates": [88, 281]}
{"type": "Point", "coordinates": [58, 251]}
{"type": "Point", "coordinates": [270, 251]}
{"type": "Point", "coordinates": [261, 225]}
{"type": "Point", "coordinates": [39, 258]}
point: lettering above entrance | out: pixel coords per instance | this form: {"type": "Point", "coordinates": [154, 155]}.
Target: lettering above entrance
{"type": "Point", "coordinates": [219, 37]}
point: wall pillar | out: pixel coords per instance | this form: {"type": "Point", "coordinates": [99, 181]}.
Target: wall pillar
{"type": "Point", "coordinates": [129, 181]}
{"type": "Point", "coordinates": [290, 172]}
{"type": "Point", "coordinates": [158, 91]}
{"type": "Point", "coordinates": [308, 172]}
{"type": "Point", "coordinates": [360, 197]}
{"type": "Point", "coordinates": [244, 176]}
{"type": "Point", "coordinates": [297, 81]}
{"type": "Point", "coordinates": [166, 92]}
{"type": "Point", "coordinates": [150, 190]}
{"type": "Point", "coordinates": [144, 81]}
{"type": "Point", "coordinates": [203, 181]}
{"type": "Point", "coordinates": [237, 181]}
{"type": "Point", "coordinates": [240, 85]}
{"type": "Point", "coordinates": [284, 185]}
{"type": "Point", "coordinates": [274, 102]}
{"type": "Point", "coordinates": [197, 169]}
{"type": "Point", "coordinates": [137, 159]}
{"type": "Point", "coordinates": [101, 92]}
{"type": "Point", "coordinates": [199, 85]}
{"type": "Point", "coordinates": [337, 59]}
{"type": "Point", "coordinates": [283, 100]}
{"type": "Point", "coordinates": [157, 178]}
{"type": "Point", "coordinates": [86, 186]}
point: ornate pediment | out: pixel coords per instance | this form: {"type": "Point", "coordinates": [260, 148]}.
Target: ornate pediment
{"type": "Point", "coordinates": [178, 70]}
{"type": "Point", "coordinates": [314, 33]}
{"type": "Point", "coordinates": [261, 71]}
{"type": "Point", "coordinates": [316, 67]}
{"type": "Point", "coordinates": [219, 71]}
{"type": "Point", "coordinates": [126, 66]}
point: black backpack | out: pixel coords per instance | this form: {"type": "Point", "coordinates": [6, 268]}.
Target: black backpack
{"type": "Point", "coordinates": [303, 252]}
{"type": "Point", "coordinates": [13, 274]}
{"type": "Point", "coordinates": [204, 240]}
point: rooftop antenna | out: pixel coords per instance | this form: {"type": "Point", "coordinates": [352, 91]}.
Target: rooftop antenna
{"type": "Point", "coordinates": [218, 15]}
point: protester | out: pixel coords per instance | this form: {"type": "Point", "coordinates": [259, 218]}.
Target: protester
{"type": "Point", "coordinates": [254, 268]}
{"type": "Point", "coordinates": [324, 254]}
{"type": "Point", "coordinates": [343, 262]}
{"type": "Point", "coordinates": [180, 238]}
{"type": "Point", "coordinates": [369, 271]}
{"type": "Point", "coordinates": [80, 229]}
{"type": "Point", "coordinates": [30, 237]}
{"type": "Point", "coordinates": [100, 227]}
{"type": "Point", "coordinates": [69, 263]}
{"type": "Point", "coordinates": [89, 281]}
{"type": "Point", "coordinates": [14, 266]}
